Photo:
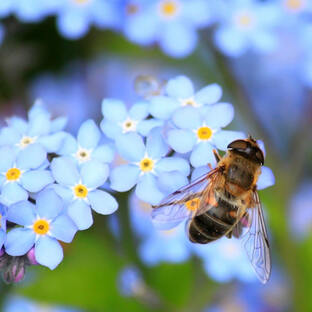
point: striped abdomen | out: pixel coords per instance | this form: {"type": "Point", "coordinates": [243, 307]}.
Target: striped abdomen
{"type": "Point", "coordinates": [214, 223]}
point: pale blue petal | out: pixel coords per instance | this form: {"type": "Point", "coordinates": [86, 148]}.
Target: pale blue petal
{"type": "Point", "coordinates": [12, 193]}
{"type": "Point", "coordinates": [162, 107]}
{"type": "Point", "coordinates": [22, 213]}
{"type": "Point", "coordinates": [35, 180]}
{"type": "Point", "coordinates": [64, 192]}
{"type": "Point", "coordinates": [178, 39]}
{"type": "Point", "coordinates": [94, 173]}
{"type": "Point", "coordinates": [223, 138]}
{"type": "Point", "coordinates": [89, 135]}
{"type": "Point", "coordinates": [18, 123]}
{"type": "Point", "coordinates": [266, 178]}
{"type": "Point", "coordinates": [19, 241]}
{"type": "Point", "coordinates": [114, 110]}
{"type": "Point", "coordinates": [7, 158]}
{"type": "Point", "coordinates": [9, 136]}
{"type": "Point", "coordinates": [180, 87]}
{"type": "Point", "coordinates": [31, 157]}
{"type": "Point", "coordinates": [102, 202]}
{"type": "Point", "coordinates": [148, 191]}
{"type": "Point", "coordinates": [139, 111]}
{"type": "Point", "coordinates": [72, 24]}
{"type": "Point", "coordinates": [264, 41]}
{"type": "Point", "coordinates": [209, 95]}
{"type": "Point", "coordinates": [187, 118]}
{"type": "Point", "coordinates": [48, 252]}
{"type": "Point", "coordinates": [171, 181]}
{"type": "Point", "coordinates": [202, 155]}
{"type": "Point", "coordinates": [104, 153]}
{"type": "Point", "coordinates": [173, 164]}
{"type": "Point", "coordinates": [53, 142]}
{"type": "Point", "coordinates": [130, 146]}
{"type": "Point", "coordinates": [124, 177]}
{"type": "Point", "coordinates": [40, 125]}
{"type": "Point", "coordinates": [81, 214]}
{"type": "Point", "coordinates": [224, 39]}
{"type": "Point", "coordinates": [110, 128]}
{"type": "Point", "coordinates": [64, 171]}
{"type": "Point", "coordinates": [182, 141]}
{"type": "Point", "coordinates": [69, 145]}
{"type": "Point", "coordinates": [219, 115]}
{"type": "Point", "coordinates": [58, 124]}
{"type": "Point", "coordinates": [156, 146]}
{"type": "Point", "coordinates": [145, 126]}
{"type": "Point", "coordinates": [199, 171]}
{"type": "Point", "coordinates": [63, 228]}
{"type": "Point", "coordinates": [49, 204]}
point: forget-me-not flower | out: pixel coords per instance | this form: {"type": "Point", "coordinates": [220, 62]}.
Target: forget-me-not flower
{"type": "Point", "coordinates": [199, 132]}
{"type": "Point", "coordinates": [79, 188]}
{"type": "Point", "coordinates": [20, 172]}
{"type": "Point", "coordinates": [154, 174]}
{"type": "Point", "coordinates": [39, 129]}
{"type": "Point", "coordinates": [86, 147]}
{"type": "Point", "coordinates": [117, 120]}
{"type": "Point", "coordinates": [2, 225]}
{"type": "Point", "coordinates": [42, 225]}
{"type": "Point", "coordinates": [179, 92]}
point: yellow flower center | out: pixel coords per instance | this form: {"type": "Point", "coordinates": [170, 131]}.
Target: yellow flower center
{"type": "Point", "coordinates": [80, 191]}
{"type": "Point", "coordinates": [204, 133]}
{"type": "Point", "coordinates": [169, 8]}
{"type": "Point", "coordinates": [146, 164]}
{"type": "Point", "coordinates": [132, 9]}
{"type": "Point", "coordinates": [41, 227]}
{"type": "Point", "coordinates": [81, 2]}
{"type": "Point", "coordinates": [192, 204]}
{"type": "Point", "coordinates": [189, 102]}
{"type": "Point", "coordinates": [294, 5]}
{"type": "Point", "coordinates": [129, 125]}
{"type": "Point", "coordinates": [13, 174]}
{"type": "Point", "coordinates": [26, 141]}
{"type": "Point", "coordinates": [83, 155]}
{"type": "Point", "coordinates": [244, 19]}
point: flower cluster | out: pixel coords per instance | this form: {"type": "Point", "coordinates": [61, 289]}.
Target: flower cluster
{"type": "Point", "coordinates": [173, 24]}
{"type": "Point", "coordinates": [49, 182]}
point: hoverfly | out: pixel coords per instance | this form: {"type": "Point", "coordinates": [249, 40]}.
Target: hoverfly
{"type": "Point", "coordinates": [224, 202]}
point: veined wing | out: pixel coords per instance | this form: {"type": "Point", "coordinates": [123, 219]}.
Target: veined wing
{"type": "Point", "coordinates": [256, 241]}
{"type": "Point", "coordinates": [184, 203]}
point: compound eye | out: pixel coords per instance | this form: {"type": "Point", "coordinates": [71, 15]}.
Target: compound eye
{"type": "Point", "coordinates": [260, 157]}
{"type": "Point", "coordinates": [238, 144]}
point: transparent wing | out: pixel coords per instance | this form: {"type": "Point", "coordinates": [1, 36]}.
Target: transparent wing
{"type": "Point", "coordinates": [256, 241]}
{"type": "Point", "coordinates": [183, 203]}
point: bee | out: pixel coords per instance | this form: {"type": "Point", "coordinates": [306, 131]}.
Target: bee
{"type": "Point", "coordinates": [224, 202]}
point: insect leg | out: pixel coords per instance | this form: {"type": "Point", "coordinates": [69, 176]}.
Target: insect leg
{"type": "Point", "coordinates": [216, 155]}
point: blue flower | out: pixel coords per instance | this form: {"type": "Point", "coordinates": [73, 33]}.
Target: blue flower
{"type": "Point", "coordinates": [296, 7]}
{"type": "Point", "coordinates": [2, 225]}
{"type": "Point", "coordinates": [43, 225]}
{"type": "Point", "coordinates": [130, 282]}
{"type": "Point", "coordinates": [39, 129]}
{"type": "Point", "coordinates": [75, 17]}
{"type": "Point", "coordinates": [171, 23]}
{"type": "Point", "coordinates": [225, 260]}
{"type": "Point", "coordinates": [87, 146]}
{"type": "Point", "coordinates": [20, 172]}
{"type": "Point", "coordinates": [118, 121]}
{"type": "Point", "coordinates": [247, 24]}
{"type": "Point", "coordinates": [199, 132]}
{"type": "Point", "coordinates": [154, 174]}
{"type": "Point", "coordinates": [157, 246]}
{"type": "Point", "coordinates": [79, 188]}
{"type": "Point", "coordinates": [180, 93]}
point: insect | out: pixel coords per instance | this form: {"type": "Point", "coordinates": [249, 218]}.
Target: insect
{"type": "Point", "coordinates": [224, 202]}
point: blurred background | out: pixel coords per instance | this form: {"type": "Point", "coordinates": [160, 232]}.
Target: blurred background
{"type": "Point", "coordinates": [74, 53]}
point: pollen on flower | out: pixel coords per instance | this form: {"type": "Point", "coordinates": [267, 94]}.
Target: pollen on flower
{"type": "Point", "coordinates": [25, 141]}
{"type": "Point", "coordinates": [204, 133]}
{"type": "Point", "coordinates": [129, 125]}
{"type": "Point", "coordinates": [169, 8]}
{"type": "Point", "coordinates": [41, 227]}
{"type": "Point", "coordinates": [146, 164]}
{"type": "Point", "coordinates": [189, 102]}
{"type": "Point", "coordinates": [13, 174]}
{"type": "Point", "coordinates": [80, 191]}
{"type": "Point", "coordinates": [83, 155]}
{"type": "Point", "coordinates": [244, 19]}
{"type": "Point", "coordinates": [192, 204]}
{"type": "Point", "coordinates": [294, 5]}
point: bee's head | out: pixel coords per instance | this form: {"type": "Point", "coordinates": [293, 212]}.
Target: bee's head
{"type": "Point", "coordinates": [248, 148]}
